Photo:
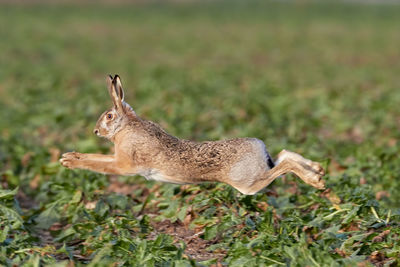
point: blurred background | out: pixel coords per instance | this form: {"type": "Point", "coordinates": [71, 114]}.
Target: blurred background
{"type": "Point", "coordinates": [317, 77]}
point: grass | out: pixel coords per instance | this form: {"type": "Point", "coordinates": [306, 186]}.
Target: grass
{"type": "Point", "coordinates": [317, 78]}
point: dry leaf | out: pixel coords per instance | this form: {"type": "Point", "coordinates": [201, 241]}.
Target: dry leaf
{"type": "Point", "coordinates": [331, 196]}
{"type": "Point", "coordinates": [34, 183]}
{"type": "Point", "coordinates": [26, 159]}
{"type": "Point", "coordinates": [381, 194]}
{"type": "Point", "coordinates": [90, 205]}
{"type": "Point", "coordinates": [54, 154]}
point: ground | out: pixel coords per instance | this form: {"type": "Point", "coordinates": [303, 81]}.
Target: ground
{"type": "Point", "coordinates": [320, 79]}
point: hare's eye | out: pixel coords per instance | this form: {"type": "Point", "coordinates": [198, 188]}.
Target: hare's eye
{"type": "Point", "coordinates": [109, 116]}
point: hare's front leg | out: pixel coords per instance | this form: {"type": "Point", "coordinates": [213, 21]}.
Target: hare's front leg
{"type": "Point", "coordinates": [93, 162]}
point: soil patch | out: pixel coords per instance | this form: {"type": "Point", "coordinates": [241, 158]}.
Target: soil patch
{"type": "Point", "coordinates": [196, 247]}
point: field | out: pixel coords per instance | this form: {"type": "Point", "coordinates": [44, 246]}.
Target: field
{"type": "Point", "coordinates": [321, 79]}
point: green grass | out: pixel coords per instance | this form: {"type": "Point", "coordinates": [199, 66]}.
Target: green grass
{"type": "Point", "coordinates": [319, 79]}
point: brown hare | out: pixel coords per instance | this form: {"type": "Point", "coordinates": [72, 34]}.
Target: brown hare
{"type": "Point", "coordinates": [143, 147]}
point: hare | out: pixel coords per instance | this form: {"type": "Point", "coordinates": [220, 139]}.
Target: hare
{"type": "Point", "coordinates": [143, 147]}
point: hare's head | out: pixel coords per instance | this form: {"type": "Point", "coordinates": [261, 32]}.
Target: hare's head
{"type": "Point", "coordinates": [114, 119]}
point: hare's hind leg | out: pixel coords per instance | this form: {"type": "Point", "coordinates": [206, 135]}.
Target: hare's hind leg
{"type": "Point", "coordinates": [309, 171]}
{"type": "Point", "coordinates": [315, 166]}
{"type": "Point", "coordinates": [93, 162]}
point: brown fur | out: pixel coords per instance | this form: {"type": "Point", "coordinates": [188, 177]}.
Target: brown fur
{"type": "Point", "coordinates": [143, 147]}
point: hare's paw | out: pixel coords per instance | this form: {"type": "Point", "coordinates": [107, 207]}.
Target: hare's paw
{"type": "Point", "coordinates": [70, 160]}
{"type": "Point", "coordinates": [314, 174]}
{"type": "Point", "coordinates": [313, 166]}
{"type": "Point", "coordinates": [73, 155]}
{"type": "Point", "coordinates": [317, 167]}
{"type": "Point", "coordinates": [311, 171]}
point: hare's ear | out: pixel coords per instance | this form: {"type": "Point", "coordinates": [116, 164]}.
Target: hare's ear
{"type": "Point", "coordinates": [116, 99]}
{"type": "Point", "coordinates": [118, 86]}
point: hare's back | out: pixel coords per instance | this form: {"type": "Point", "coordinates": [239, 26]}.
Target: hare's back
{"type": "Point", "coordinates": [225, 154]}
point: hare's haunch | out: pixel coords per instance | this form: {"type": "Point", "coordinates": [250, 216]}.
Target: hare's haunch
{"type": "Point", "coordinates": [143, 147]}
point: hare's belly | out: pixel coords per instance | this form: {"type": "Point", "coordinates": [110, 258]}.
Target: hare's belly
{"type": "Point", "coordinates": [156, 175]}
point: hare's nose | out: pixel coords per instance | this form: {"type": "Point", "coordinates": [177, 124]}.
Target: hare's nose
{"type": "Point", "coordinates": [96, 132]}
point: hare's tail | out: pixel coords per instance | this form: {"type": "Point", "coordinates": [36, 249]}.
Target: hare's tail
{"type": "Point", "coordinates": [270, 162]}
